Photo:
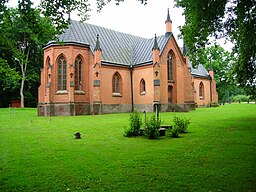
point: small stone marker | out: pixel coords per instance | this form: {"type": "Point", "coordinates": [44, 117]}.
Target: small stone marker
{"type": "Point", "coordinates": [77, 135]}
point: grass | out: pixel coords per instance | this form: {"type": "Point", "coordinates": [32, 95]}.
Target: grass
{"type": "Point", "coordinates": [40, 153]}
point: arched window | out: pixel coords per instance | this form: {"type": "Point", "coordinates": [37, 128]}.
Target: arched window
{"type": "Point", "coordinates": [62, 73]}
{"type": "Point", "coordinates": [142, 87]}
{"type": "Point", "coordinates": [78, 73]}
{"type": "Point", "coordinates": [116, 84]}
{"type": "Point", "coordinates": [170, 66]}
{"type": "Point", "coordinates": [48, 66]}
{"type": "Point", "coordinates": [201, 90]}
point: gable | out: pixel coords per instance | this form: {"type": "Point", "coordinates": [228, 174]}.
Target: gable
{"type": "Point", "coordinates": [142, 51]}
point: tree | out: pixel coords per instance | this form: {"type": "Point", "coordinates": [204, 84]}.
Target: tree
{"type": "Point", "coordinates": [9, 80]}
{"type": "Point", "coordinates": [24, 33]}
{"type": "Point", "coordinates": [232, 19]}
{"type": "Point", "coordinates": [222, 63]}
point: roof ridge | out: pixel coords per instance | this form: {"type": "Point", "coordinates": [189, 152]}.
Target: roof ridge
{"type": "Point", "coordinates": [107, 29]}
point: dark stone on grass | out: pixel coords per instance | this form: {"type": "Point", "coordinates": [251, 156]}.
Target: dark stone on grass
{"type": "Point", "coordinates": [77, 135]}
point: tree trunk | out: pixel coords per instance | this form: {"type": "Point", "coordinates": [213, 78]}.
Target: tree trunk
{"type": "Point", "coordinates": [21, 91]}
{"type": "Point", "coordinates": [23, 66]}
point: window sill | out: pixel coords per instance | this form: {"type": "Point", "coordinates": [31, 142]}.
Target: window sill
{"type": "Point", "coordinates": [143, 93]}
{"type": "Point", "coordinates": [116, 95]}
{"type": "Point", "coordinates": [61, 92]}
{"type": "Point", "coordinates": [78, 92]}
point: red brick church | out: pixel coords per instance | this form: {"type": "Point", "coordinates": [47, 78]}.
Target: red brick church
{"type": "Point", "coordinates": [95, 70]}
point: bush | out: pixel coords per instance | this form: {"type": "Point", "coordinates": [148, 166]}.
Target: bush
{"type": "Point", "coordinates": [135, 124]}
{"type": "Point", "coordinates": [175, 131]}
{"type": "Point", "coordinates": [181, 123]}
{"type": "Point", "coordinates": [180, 126]}
{"type": "Point", "coordinates": [152, 127]}
{"type": "Point", "coordinates": [240, 98]}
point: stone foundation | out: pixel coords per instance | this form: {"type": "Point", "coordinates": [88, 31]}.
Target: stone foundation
{"type": "Point", "coordinates": [177, 107]}
{"type": "Point", "coordinates": [72, 109]}
{"type": "Point", "coordinates": [63, 109]}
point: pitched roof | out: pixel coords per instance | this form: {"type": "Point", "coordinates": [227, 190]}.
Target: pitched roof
{"type": "Point", "coordinates": [142, 51]}
{"type": "Point", "coordinates": [200, 71]}
{"type": "Point", "coordinates": [118, 48]}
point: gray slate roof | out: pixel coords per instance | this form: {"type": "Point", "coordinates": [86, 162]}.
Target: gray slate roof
{"type": "Point", "coordinates": [142, 51]}
{"type": "Point", "coordinates": [118, 48]}
{"type": "Point", "coordinates": [200, 71]}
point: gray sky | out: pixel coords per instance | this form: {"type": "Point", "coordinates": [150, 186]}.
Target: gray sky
{"type": "Point", "coordinates": [134, 18]}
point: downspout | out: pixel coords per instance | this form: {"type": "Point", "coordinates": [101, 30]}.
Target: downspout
{"type": "Point", "coordinates": [131, 72]}
{"type": "Point", "coordinates": [211, 91]}
{"type": "Point", "coordinates": [131, 76]}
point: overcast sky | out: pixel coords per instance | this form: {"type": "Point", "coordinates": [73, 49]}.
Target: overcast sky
{"type": "Point", "coordinates": [134, 18]}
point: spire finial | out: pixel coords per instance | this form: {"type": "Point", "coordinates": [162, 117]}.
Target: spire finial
{"type": "Point", "coordinates": [155, 44]}
{"type": "Point", "coordinates": [210, 68]}
{"type": "Point", "coordinates": [69, 17]}
{"type": "Point", "coordinates": [97, 46]}
{"type": "Point", "coordinates": [168, 16]}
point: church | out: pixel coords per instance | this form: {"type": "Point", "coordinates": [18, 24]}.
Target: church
{"type": "Point", "coordinates": [95, 70]}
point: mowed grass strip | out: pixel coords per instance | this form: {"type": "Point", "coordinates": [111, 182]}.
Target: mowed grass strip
{"type": "Point", "coordinates": [41, 154]}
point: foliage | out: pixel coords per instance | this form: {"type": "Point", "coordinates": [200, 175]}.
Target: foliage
{"type": "Point", "coordinates": [24, 32]}
{"type": "Point", "coordinates": [174, 132]}
{"type": "Point", "coordinates": [222, 63]}
{"type": "Point", "coordinates": [181, 123]}
{"type": "Point", "coordinates": [180, 126]}
{"type": "Point", "coordinates": [135, 122]}
{"type": "Point", "coordinates": [152, 127]}
{"type": "Point", "coordinates": [240, 98]}
{"type": "Point", "coordinates": [234, 20]}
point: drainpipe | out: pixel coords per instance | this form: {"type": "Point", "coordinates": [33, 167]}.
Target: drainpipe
{"type": "Point", "coordinates": [131, 71]}
{"type": "Point", "coordinates": [211, 91]}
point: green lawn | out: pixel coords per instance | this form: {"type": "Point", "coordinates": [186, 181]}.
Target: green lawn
{"type": "Point", "coordinates": [40, 153]}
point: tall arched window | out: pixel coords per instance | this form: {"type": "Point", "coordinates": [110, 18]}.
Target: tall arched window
{"type": "Point", "coordinates": [78, 73]}
{"type": "Point", "coordinates": [170, 66]}
{"type": "Point", "coordinates": [62, 73]}
{"type": "Point", "coordinates": [201, 90]}
{"type": "Point", "coordinates": [47, 67]}
{"type": "Point", "coordinates": [116, 84]}
{"type": "Point", "coordinates": [142, 87]}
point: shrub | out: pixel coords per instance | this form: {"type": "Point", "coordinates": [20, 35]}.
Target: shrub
{"type": "Point", "coordinates": [175, 131]}
{"type": "Point", "coordinates": [135, 124]}
{"type": "Point", "coordinates": [180, 126]}
{"type": "Point", "coordinates": [239, 98]}
{"type": "Point", "coordinates": [152, 127]}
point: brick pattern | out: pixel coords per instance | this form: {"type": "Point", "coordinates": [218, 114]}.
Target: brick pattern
{"type": "Point", "coordinates": [96, 96]}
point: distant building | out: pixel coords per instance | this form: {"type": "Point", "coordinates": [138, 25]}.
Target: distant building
{"type": "Point", "coordinates": [98, 70]}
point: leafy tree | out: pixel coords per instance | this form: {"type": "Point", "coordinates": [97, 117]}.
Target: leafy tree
{"type": "Point", "coordinates": [233, 19]}
{"type": "Point", "coordinates": [222, 62]}
{"type": "Point", "coordinates": [9, 80]}
{"type": "Point", "coordinates": [24, 33]}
